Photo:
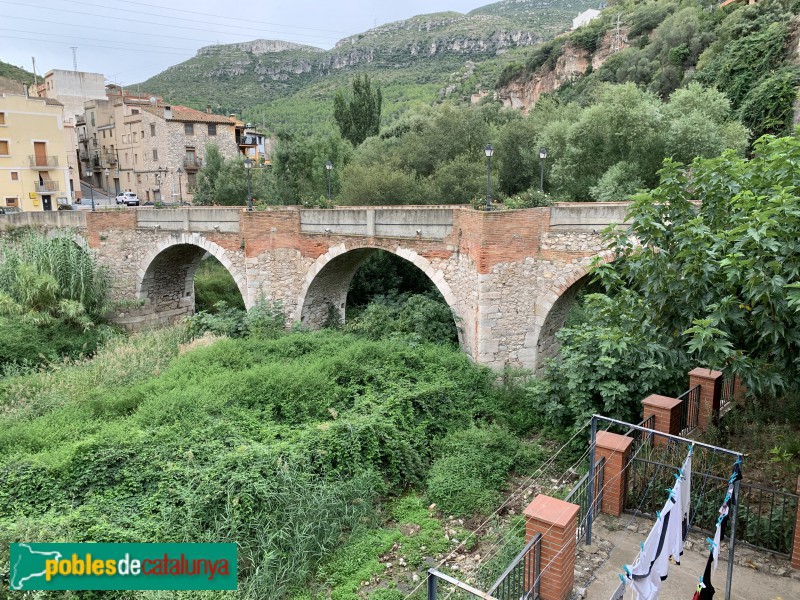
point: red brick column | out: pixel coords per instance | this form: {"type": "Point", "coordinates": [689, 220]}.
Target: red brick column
{"type": "Point", "coordinates": [557, 521]}
{"type": "Point", "coordinates": [710, 383]}
{"type": "Point", "coordinates": [616, 449]}
{"type": "Point", "coordinates": [668, 416]}
{"type": "Point", "coordinates": [796, 546]}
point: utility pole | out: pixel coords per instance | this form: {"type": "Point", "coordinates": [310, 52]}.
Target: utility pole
{"type": "Point", "coordinates": [617, 43]}
{"type": "Point", "coordinates": [74, 58]}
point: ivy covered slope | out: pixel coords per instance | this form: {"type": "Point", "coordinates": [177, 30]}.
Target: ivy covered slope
{"type": "Point", "coordinates": [417, 56]}
{"type": "Point", "coordinates": [746, 52]}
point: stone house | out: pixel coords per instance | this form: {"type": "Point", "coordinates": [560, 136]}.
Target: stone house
{"type": "Point", "coordinates": [173, 142]}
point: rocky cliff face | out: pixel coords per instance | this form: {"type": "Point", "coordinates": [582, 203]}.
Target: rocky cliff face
{"type": "Point", "coordinates": [573, 62]}
{"type": "Point", "coordinates": [259, 47]}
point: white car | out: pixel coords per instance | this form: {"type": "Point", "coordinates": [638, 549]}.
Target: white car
{"type": "Point", "coordinates": [128, 199]}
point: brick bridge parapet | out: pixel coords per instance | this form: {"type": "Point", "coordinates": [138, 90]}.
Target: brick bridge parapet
{"type": "Point", "coordinates": [509, 276]}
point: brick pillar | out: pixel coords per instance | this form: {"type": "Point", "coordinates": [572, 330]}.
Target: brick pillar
{"type": "Point", "coordinates": [616, 449]}
{"type": "Point", "coordinates": [668, 416]}
{"type": "Point", "coordinates": [710, 383]}
{"type": "Point", "coordinates": [796, 546]}
{"type": "Point", "coordinates": [557, 521]}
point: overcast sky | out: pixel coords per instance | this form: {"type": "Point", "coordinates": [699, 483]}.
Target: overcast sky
{"type": "Point", "coordinates": [130, 40]}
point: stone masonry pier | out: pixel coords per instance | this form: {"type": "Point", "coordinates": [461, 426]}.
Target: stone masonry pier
{"type": "Point", "coordinates": [508, 276]}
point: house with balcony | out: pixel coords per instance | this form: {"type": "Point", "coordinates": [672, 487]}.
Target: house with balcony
{"type": "Point", "coordinates": [252, 144]}
{"type": "Point", "coordinates": [34, 168]}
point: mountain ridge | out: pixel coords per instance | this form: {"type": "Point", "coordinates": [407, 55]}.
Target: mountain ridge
{"type": "Point", "coordinates": [424, 50]}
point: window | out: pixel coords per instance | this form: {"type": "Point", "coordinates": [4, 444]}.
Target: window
{"type": "Point", "coordinates": [126, 158]}
{"type": "Point", "coordinates": [138, 179]}
{"type": "Point", "coordinates": [155, 154]}
{"type": "Point", "coordinates": [3, 147]}
{"type": "Point", "coordinates": [136, 159]}
{"type": "Point", "coordinates": [188, 128]}
{"type": "Point", "coordinates": [134, 137]}
{"type": "Point", "coordinates": [134, 111]}
{"type": "Point", "coordinates": [152, 129]}
{"type": "Point", "coordinates": [92, 119]}
{"type": "Point", "coordinates": [2, 118]}
{"type": "Point", "coordinates": [129, 177]}
{"type": "Point", "coordinates": [142, 134]}
{"type": "Point", "coordinates": [192, 179]}
{"type": "Point", "coordinates": [11, 202]}
{"type": "Point", "coordinates": [212, 129]}
{"type": "Point", "coordinates": [104, 134]}
{"type": "Point", "coordinates": [14, 176]}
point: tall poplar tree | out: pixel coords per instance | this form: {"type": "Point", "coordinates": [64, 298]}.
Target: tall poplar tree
{"type": "Point", "coordinates": [358, 114]}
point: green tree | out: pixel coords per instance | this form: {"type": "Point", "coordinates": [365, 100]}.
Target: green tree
{"type": "Point", "coordinates": [359, 114]}
{"type": "Point", "coordinates": [718, 278]}
{"type": "Point", "coordinates": [224, 182]}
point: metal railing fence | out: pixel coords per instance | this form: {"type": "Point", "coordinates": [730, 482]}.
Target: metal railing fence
{"type": "Point", "coordinates": [580, 495]}
{"type": "Point", "coordinates": [690, 410]}
{"type": "Point", "coordinates": [766, 517]}
{"type": "Point", "coordinates": [521, 579]}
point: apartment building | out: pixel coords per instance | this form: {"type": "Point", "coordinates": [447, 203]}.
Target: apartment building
{"type": "Point", "coordinates": [72, 88]}
{"type": "Point", "coordinates": [136, 142]}
{"type": "Point", "coordinates": [34, 168]}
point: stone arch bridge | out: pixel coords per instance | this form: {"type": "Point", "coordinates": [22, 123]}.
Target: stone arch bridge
{"type": "Point", "coordinates": [509, 276]}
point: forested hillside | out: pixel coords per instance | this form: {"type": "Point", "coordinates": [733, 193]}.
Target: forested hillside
{"type": "Point", "coordinates": [15, 73]}
{"type": "Point", "coordinates": [747, 52]}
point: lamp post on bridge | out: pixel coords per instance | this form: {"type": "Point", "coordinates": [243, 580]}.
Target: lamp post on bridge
{"type": "Point", "coordinates": [88, 173]}
{"type": "Point", "coordinates": [542, 158]}
{"type": "Point", "coordinates": [489, 150]}
{"type": "Point", "coordinates": [248, 164]}
{"type": "Point", "coordinates": [179, 172]}
{"type": "Point", "coordinates": [328, 168]}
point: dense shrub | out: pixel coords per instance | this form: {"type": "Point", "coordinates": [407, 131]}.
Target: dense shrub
{"type": "Point", "coordinates": [415, 317]}
{"type": "Point", "coordinates": [213, 283]}
{"type": "Point", "coordinates": [264, 319]}
{"type": "Point", "coordinates": [473, 467]}
{"type": "Point", "coordinates": [281, 445]}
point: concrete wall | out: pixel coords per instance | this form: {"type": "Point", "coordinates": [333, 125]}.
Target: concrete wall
{"type": "Point", "coordinates": [414, 222]}
{"type": "Point", "coordinates": [587, 216]}
{"type": "Point", "coordinates": [189, 219]}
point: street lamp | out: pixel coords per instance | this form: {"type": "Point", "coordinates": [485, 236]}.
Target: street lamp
{"type": "Point", "coordinates": [88, 173]}
{"type": "Point", "coordinates": [542, 157]}
{"type": "Point", "coordinates": [71, 170]}
{"type": "Point", "coordinates": [489, 150]}
{"type": "Point", "coordinates": [328, 168]}
{"type": "Point", "coordinates": [179, 171]}
{"type": "Point", "coordinates": [108, 185]}
{"type": "Point", "coordinates": [160, 172]}
{"type": "Point", "coordinates": [247, 165]}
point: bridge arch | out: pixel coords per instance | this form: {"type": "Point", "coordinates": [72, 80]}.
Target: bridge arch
{"type": "Point", "coordinates": [166, 274]}
{"type": "Point", "coordinates": [328, 279]}
{"type": "Point", "coordinates": [552, 309]}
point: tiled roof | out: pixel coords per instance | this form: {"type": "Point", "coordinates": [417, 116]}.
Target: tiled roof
{"type": "Point", "coordinates": [52, 102]}
{"type": "Point", "coordinates": [189, 115]}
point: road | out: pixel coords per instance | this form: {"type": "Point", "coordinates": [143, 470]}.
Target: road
{"type": "Point", "coordinates": [100, 198]}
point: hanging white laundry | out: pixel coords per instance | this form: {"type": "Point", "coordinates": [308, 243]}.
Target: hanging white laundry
{"type": "Point", "coordinates": [638, 574]}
